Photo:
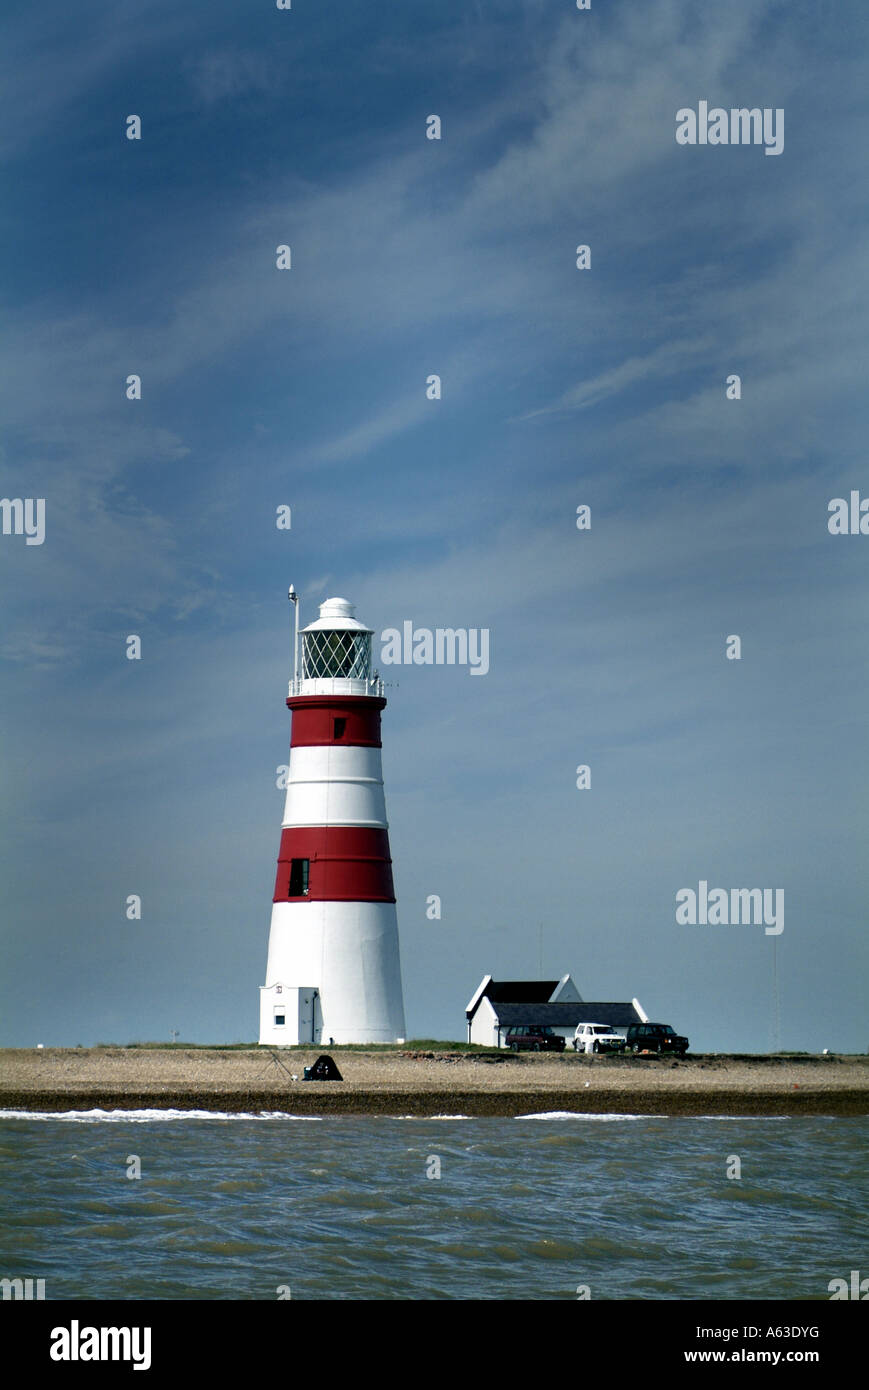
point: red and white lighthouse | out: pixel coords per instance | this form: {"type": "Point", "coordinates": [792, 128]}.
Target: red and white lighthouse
{"type": "Point", "coordinates": [333, 971]}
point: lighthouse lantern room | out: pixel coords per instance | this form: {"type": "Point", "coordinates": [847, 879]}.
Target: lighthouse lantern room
{"type": "Point", "coordinates": [333, 973]}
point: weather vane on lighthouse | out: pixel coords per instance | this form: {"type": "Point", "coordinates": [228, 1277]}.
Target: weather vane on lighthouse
{"type": "Point", "coordinates": [333, 970]}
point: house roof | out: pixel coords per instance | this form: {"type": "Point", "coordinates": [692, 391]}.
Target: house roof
{"type": "Point", "coordinates": [616, 1015]}
{"type": "Point", "coordinates": [513, 992]}
{"type": "Point", "coordinates": [521, 991]}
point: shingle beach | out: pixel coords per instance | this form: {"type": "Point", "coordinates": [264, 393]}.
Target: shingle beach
{"type": "Point", "coordinates": [429, 1083]}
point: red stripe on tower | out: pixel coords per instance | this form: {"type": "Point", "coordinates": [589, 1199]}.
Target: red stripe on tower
{"type": "Point", "coordinates": [318, 722]}
{"type": "Point", "coordinates": [344, 864]}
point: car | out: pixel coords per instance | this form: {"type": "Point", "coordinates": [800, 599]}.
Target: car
{"type": "Point", "coordinates": [597, 1037]}
{"type": "Point", "coordinates": [540, 1039]}
{"type": "Point", "coordinates": [655, 1037]}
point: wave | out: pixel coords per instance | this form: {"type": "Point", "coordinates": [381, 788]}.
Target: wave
{"type": "Point", "coordinates": [583, 1115]}
{"type": "Point", "coordinates": [146, 1116]}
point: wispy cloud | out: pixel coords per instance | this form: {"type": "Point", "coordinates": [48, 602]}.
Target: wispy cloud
{"type": "Point", "coordinates": [665, 361]}
{"type": "Point", "coordinates": [226, 74]}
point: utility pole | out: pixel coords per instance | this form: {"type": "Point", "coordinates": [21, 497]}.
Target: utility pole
{"type": "Point", "coordinates": [776, 1003]}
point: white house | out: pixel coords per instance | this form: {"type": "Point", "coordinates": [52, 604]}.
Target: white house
{"type": "Point", "coordinates": [501, 1004]}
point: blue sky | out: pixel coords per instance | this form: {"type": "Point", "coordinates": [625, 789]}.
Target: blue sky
{"type": "Point", "coordinates": [560, 387]}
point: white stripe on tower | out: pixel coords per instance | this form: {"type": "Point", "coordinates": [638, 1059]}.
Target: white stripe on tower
{"type": "Point", "coordinates": [329, 785]}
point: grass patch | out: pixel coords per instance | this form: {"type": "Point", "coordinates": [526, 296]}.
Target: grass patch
{"type": "Point", "coordinates": [412, 1045]}
{"type": "Point", "coordinates": [181, 1046]}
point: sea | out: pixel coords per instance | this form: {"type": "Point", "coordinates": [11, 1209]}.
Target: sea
{"type": "Point", "coordinates": [194, 1205]}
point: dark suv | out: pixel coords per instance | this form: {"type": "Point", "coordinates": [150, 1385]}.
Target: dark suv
{"type": "Point", "coordinates": [534, 1040]}
{"type": "Point", "coordinates": [655, 1037]}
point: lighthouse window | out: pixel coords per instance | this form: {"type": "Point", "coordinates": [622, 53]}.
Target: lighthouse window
{"type": "Point", "coordinates": [280, 1019]}
{"type": "Point", "coordinates": [340, 726]}
{"type": "Point", "coordinates": [298, 878]}
{"type": "Point", "coordinates": [336, 653]}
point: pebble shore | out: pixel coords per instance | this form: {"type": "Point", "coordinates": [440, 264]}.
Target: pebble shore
{"type": "Point", "coordinates": [429, 1083]}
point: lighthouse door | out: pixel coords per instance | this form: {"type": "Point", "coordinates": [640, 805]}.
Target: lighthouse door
{"type": "Point", "coordinates": [306, 1015]}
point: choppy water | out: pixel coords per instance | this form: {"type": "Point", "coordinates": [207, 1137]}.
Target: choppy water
{"type": "Point", "coordinates": [236, 1207]}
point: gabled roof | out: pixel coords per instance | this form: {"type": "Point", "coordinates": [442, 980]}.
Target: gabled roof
{"type": "Point", "coordinates": [478, 995]}
{"type": "Point", "coordinates": [615, 1015]}
{"type": "Point", "coordinates": [512, 991]}
{"type": "Point", "coordinates": [521, 991]}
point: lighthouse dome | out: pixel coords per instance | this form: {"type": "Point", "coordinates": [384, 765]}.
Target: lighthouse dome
{"type": "Point", "coordinates": [336, 615]}
{"type": "Point", "coordinates": [337, 608]}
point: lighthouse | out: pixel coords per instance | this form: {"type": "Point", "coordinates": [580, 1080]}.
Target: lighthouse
{"type": "Point", "coordinates": [333, 973]}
